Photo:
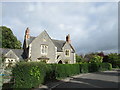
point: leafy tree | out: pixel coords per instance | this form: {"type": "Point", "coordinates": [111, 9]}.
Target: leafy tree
{"type": "Point", "coordinates": [8, 39]}
{"type": "Point", "coordinates": [88, 57]}
{"type": "Point", "coordinates": [79, 59]}
{"type": "Point", "coordinates": [114, 59]}
{"type": "Point", "coordinates": [96, 59]}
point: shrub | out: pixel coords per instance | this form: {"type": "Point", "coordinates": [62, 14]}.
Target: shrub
{"type": "Point", "coordinates": [96, 59]}
{"type": "Point", "coordinates": [66, 70]}
{"type": "Point", "coordinates": [28, 75]}
{"type": "Point", "coordinates": [31, 74]}
{"type": "Point", "coordinates": [114, 59]}
{"type": "Point", "coordinates": [79, 59]}
{"type": "Point", "coordinates": [50, 72]}
{"type": "Point", "coordinates": [84, 67]}
{"type": "Point", "coordinates": [94, 67]}
{"type": "Point", "coordinates": [105, 66]}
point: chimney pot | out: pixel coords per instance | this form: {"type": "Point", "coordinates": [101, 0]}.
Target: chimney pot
{"type": "Point", "coordinates": [68, 38]}
{"type": "Point", "coordinates": [27, 33]}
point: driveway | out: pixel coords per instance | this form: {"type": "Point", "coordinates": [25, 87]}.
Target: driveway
{"type": "Point", "coordinates": [106, 79]}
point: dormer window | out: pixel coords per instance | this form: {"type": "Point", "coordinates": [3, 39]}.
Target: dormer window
{"type": "Point", "coordinates": [44, 49]}
{"type": "Point", "coordinates": [67, 53]}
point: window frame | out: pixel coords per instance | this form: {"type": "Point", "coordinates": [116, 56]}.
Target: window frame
{"type": "Point", "coordinates": [68, 53]}
{"type": "Point", "coordinates": [44, 49]}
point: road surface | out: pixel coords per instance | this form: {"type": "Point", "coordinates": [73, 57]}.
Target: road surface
{"type": "Point", "coordinates": [106, 79]}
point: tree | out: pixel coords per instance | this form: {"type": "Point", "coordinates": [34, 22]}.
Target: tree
{"type": "Point", "coordinates": [8, 39]}
{"type": "Point", "coordinates": [93, 58]}
{"type": "Point", "coordinates": [79, 59]}
{"type": "Point", "coordinates": [88, 57]}
{"type": "Point", "coordinates": [114, 59]}
{"type": "Point", "coordinates": [96, 59]}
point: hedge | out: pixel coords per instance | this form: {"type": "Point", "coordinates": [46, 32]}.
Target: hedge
{"type": "Point", "coordinates": [29, 75]}
{"type": "Point", "coordinates": [84, 67]}
{"type": "Point", "coordinates": [66, 70]}
{"type": "Point", "coordinates": [95, 67]}
{"type": "Point", "coordinates": [32, 74]}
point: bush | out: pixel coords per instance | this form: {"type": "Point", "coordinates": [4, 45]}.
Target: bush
{"type": "Point", "coordinates": [66, 70]}
{"type": "Point", "coordinates": [84, 67]}
{"type": "Point", "coordinates": [96, 59]}
{"type": "Point", "coordinates": [105, 66]}
{"type": "Point", "coordinates": [31, 74]}
{"type": "Point", "coordinates": [95, 67]}
{"type": "Point", "coordinates": [79, 59]}
{"type": "Point", "coordinates": [28, 75]}
{"type": "Point", "coordinates": [114, 59]}
{"type": "Point", "coordinates": [50, 72]}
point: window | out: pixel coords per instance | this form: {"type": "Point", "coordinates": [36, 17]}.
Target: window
{"type": "Point", "coordinates": [44, 49]}
{"type": "Point", "coordinates": [67, 53]}
{"type": "Point", "coordinates": [58, 56]}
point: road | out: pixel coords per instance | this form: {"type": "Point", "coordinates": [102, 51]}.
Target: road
{"type": "Point", "coordinates": [106, 79]}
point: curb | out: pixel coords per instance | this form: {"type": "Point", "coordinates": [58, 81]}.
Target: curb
{"type": "Point", "coordinates": [55, 84]}
{"type": "Point", "coordinates": [52, 85]}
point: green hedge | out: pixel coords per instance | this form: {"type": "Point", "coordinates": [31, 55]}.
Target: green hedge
{"type": "Point", "coordinates": [84, 67]}
{"type": "Point", "coordinates": [94, 67]}
{"type": "Point", "coordinates": [28, 75]}
{"type": "Point", "coordinates": [66, 70]}
{"type": "Point", "coordinates": [105, 66]}
{"type": "Point", "coordinates": [32, 74]}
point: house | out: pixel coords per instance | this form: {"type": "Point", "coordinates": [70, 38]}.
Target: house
{"type": "Point", "coordinates": [41, 48]}
{"type": "Point", "coordinates": [11, 55]}
{"type": "Point", "coordinates": [50, 50]}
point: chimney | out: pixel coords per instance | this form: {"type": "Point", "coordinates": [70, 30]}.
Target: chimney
{"type": "Point", "coordinates": [27, 33]}
{"type": "Point", "coordinates": [68, 38]}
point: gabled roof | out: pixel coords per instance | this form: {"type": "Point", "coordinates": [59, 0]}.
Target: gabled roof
{"type": "Point", "coordinates": [11, 54]}
{"type": "Point", "coordinates": [72, 47]}
{"type": "Point", "coordinates": [59, 44]}
{"type": "Point", "coordinates": [3, 51]}
{"type": "Point", "coordinates": [18, 52]}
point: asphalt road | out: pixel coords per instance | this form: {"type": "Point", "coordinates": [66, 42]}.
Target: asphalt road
{"type": "Point", "coordinates": [106, 79]}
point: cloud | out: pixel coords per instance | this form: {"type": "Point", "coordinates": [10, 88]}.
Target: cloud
{"type": "Point", "coordinates": [92, 26]}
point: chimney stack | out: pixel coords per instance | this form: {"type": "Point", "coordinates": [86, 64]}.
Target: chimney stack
{"type": "Point", "coordinates": [27, 33]}
{"type": "Point", "coordinates": [68, 38]}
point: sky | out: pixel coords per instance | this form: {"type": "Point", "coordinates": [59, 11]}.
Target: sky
{"type": "Point", "coordinates": [93, 26]}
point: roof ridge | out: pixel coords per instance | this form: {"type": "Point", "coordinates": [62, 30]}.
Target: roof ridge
{"type": "Point", "coordinates": [11, 49]}
{"type": "Point", "coordinates": [33, 36]}
{"type": "Point", "coordinates": [58, 40]}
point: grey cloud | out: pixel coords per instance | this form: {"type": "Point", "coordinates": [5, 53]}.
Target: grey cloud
{"type": "Point", "coordinates": [92, 26]}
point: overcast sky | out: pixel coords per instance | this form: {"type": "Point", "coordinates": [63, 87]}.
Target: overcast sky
{"type": "Point", "coordinates": [92, 26]}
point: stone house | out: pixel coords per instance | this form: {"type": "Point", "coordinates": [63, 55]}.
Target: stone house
{"type": "Point", "coordinates": [50, 50]}
{"type": "Point", "coordinates": [11, 55]}
{"type": "Point", "coordinates": [41, 48]}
